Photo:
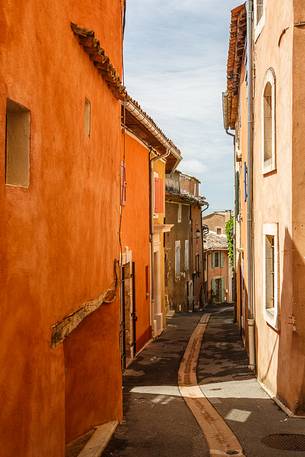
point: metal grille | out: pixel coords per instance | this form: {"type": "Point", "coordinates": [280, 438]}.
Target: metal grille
{"type": "Point", "coordinates": [285, 442]}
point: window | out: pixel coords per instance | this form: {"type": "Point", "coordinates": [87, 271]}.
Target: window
{"type": "Point", "coordinates": [218, 230]}
{"type": "Point", "coordinates": [259, 17]}
{"type": "Point", "coordinates": [87, 117]}
{"type": "Point", "coordinates": [268, 122]}
{"type": "Point", "coordinates": [270, 271]}
{"type": "Point", "coordinates": [179, 213]}
{"type": "Point", "coordinates": [17, 152]}
{"type": "Point", "coordinates": [259, 7]}
{"type": "Point", "coordinates": [186, 255]}
{"type": "Point", "coordinates": [177, 258]}
{"type": "Point", "coordinates": [217, 259]}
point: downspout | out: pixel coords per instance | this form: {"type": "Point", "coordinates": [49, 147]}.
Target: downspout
{"type": "Point", "coordinates": [251, 322]}
{"type": "Point", "coordinates": [151, 226]}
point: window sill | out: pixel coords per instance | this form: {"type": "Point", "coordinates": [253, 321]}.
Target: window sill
{"type": "Point", "coordinates": [268, 169]}
{"type": "Point", "coordinates": [271, 318]}
{"type": "Point", "coordinates": [259, 28]}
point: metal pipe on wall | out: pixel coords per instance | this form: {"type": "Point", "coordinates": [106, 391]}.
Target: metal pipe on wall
{"type": "Point", "coordinates": [251, 313]}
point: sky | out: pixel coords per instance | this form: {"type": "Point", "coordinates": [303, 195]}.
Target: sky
{"type": "Point", "coordinates": [175, 55]}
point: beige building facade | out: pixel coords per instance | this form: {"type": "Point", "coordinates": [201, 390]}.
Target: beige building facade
{"type": "Point", "coordinates": [266, 91]}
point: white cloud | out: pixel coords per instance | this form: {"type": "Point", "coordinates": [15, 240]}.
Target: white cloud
{"type": "Point", "coordinates": [175, 66]}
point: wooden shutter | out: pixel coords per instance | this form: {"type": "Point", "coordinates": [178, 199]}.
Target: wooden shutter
{"type": "Point", "coordinates": [222, 259]}
{"type": "Point", "coordinates": [159, 195]}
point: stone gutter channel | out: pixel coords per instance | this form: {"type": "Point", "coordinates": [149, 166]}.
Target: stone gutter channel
{"type": "Point", "coordinates": [220, 438]}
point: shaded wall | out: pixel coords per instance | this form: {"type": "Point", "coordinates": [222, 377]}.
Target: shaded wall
{"type": "Point", "coordinates": [177, 284]}
{"type": "Point", "coordinates": [197, 246]}
{"type": "Point", "coordinates": [272, 192]}
{"type": "Point", "coordinates": [58, 237]}
{"type": "Point", "coordinates": [291, 353]}
{"type": "Point", "coordinates": [136, 229]}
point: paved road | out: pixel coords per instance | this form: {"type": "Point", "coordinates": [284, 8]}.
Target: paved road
{"type": "Point", "coordinates": [157, 422]}
{"type": "Point", "coordinates": [233, 390]}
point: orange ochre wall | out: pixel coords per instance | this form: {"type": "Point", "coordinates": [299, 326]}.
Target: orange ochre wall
{"type": "Point", "coordinates": [135, 229]}
{"type": "Point", "coordinates": [59, 237]}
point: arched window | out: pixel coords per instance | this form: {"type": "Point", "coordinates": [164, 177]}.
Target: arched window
{"type": "Point", "coordinates": [268, 122]}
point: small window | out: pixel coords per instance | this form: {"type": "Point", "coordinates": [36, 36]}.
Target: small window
{"type": "Point", "coordinates": [87, 117]}
{"type": "Point", "coordinates": [179, 213]}
{"type": "Point", "coordinates": [218, 259]}
{"type": "Point", "coordinates": [259, 17]}
{"type": "Point", "coordinates": [17, 151]}
{"type": "Point", "coordinates": [186, 255]}
{"type": "Point", "coordinates": [215, 260]}
{"type": "Point", "coordinates": [177, 258]}
{"type": "Point", "coordinates": [218, 230]}
{"type": "Point", "coordinates": [268, 123]}
{"type": "Point", "coordinates": [270, 269]}
{"type": "Point", "coordinates": [259, 10]}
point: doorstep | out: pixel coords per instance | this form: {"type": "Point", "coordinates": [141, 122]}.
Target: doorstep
{"type": "Point", "coordinates": [94, 442]}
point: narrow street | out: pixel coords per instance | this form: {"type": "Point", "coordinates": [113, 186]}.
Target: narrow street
{"type": "Point", "coordinates": [157, 420]}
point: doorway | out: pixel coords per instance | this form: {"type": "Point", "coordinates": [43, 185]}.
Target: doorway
{"type": "Point", "coordinates": [128, 332]}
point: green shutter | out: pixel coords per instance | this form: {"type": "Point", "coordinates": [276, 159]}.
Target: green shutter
{"type": "Point", "coordinates": [213, 286]}
{"type": "Point", "coordinates": [222, 259]}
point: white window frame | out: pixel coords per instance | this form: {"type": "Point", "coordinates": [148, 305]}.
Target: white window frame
{"type": "Point", "coordinates": [177, 258]}
{"type": "Point", "coordinates": [269, 78]}
{"type": "Point", "coordinates": [186, 255]}
{"type": "Point", "coordinates": [179, 213]}
{"type": "Point", "coordinates": [271, 316]}
{"type": "Point", "coordinates": [258, 26]}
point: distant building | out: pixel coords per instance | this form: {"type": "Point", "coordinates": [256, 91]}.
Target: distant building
{"type": "Point", "coordinates": [183, 244]}
{"type": "Point", "coordinates": [217, 268]}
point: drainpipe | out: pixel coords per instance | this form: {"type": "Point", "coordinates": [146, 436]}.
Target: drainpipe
{"type": "Point", "coordinates": [151, 225]}
{"type": "Point", "coordinates": [251, 313]}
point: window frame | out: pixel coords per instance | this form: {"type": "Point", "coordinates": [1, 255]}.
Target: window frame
{"type": "Point", "coordinates": [177, 258]}
{"type": "Point", "coordinates": [17, 153]}
{"type": "Point", "coordinates": [269, 79]}
{"type": "Point", "coordinates": [271, 316]}
{"type": "Point", "coordinates": [179, 215]}
{"type": "Point", "coordinates": [258, 26]}
{"type": "Point", "coordinates": [186, 255]}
